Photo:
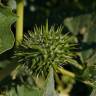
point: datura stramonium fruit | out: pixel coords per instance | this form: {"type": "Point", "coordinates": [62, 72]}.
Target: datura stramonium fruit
{"type": "Point", "coordinates": [46, 47]}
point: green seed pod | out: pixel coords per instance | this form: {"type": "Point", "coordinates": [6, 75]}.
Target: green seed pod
{"type": "Point", "coordinates": [45, 47]}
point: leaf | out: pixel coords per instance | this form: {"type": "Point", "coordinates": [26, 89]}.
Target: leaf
{"type": "Point", "coordinates": [12, 92]}
{"type": "Point", "coordinates": [4, 63]}
{"type": "Point", "coordinates": [49, 89]}
{"type": "Point", "coordinates": [93, 92]}
{"type": "Point", "coordinates": [84, 25]}
{"type": "Point", "coordinates": [24, 90]}
{"type": "Point", "coordinates": [75, 24]}
{"type": "Point", "coordinates": [12, 4]}
{"type": "Point", "coordinates": [7, 18]}
{"type": "Point", "coordinates": [72, 25]}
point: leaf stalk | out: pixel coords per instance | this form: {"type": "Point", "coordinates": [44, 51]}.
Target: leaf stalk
{"type": "Point", "coordinates": [19, 23]}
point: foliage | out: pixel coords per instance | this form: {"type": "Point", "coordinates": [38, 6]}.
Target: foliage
{"type": "Point", "coordinates": [87, 43]}
{"type": "Point", "coordinates": [27, 90]}
{"type": "Point", "coordinates": [47, 60]}
{"type": "Point", "coordinates": [41, 49]}
{"type": "Point", "coordinates": [5, 31]}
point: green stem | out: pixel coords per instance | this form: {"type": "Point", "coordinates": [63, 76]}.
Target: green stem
{"type": "Point", "coordinates": [19, 37]}
{"type": "Point", "coordinates": [64, 71]}
{"type": "Point", "coordinates": [19, 23]}
{"type": "Point", "coordinates": [19, 30]}
{"type": "Point", "coordinates": [57, 79]}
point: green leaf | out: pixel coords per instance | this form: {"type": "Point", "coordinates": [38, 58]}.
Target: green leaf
{"type": "Point", "coordinates": [12, 92]}
{"type": "Point", "coordinates": [78, 23]}
{"type": "Point", "coordinates": [49, 89]}
{"type": "Point", "coordinates": [93, 92]}
{"type": "Point", "coordinates": [12, 4]}
{"type": "Point", "coordinates": [7, 18]}
{"type": "Point", "coordinates": [4, 63]}
{"type": "Point", "coordinates": [72, 24]}
{"type": "Point", "coordinates": [27, 90]}
{"type": "Point", "coordinates": [84, 25]}
{"type": "Point", "coordinates": [24, 90]}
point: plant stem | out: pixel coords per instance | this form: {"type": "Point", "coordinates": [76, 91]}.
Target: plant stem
{"type": "Point", "coordinates": [19, 23]}
{"type": "Point", "coordinates": [57, 79]}
{"type": "Point", "coordinates": [19, 37]}
{"type": "Point", "coordinates": [65, 72]}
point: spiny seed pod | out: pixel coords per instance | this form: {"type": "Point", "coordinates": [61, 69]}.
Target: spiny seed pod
{"type": "Point", "coordinates": [46, 47]}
